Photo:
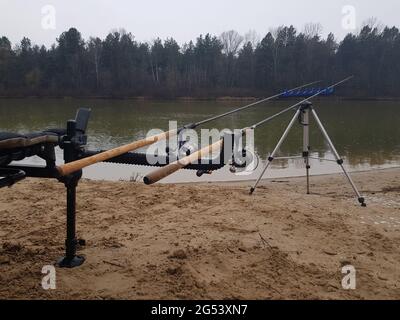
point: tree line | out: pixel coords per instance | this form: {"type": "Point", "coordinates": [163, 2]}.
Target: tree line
{"type": "Point", "coordinates": [210, 66]}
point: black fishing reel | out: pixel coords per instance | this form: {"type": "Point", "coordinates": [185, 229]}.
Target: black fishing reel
{"type": "Point", "coordinates": [187, 148]}
{"type": "Point", "coordinates": [200, 173]}
{"type": "Point", "coordinates": [240, 164]}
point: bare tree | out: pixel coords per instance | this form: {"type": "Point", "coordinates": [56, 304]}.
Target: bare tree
{"type": "Point", "coordinates": [275, 31]}
{"type": "Point", "coordinates": [95, 45]}
{"type": "Point", "coordinates": [312, 30]}
{"type": "Point", "coordinates": [156, 48]}
{"type": "Point", "coordinates": [374, 24]}
{"type": "Point", "coordinates": [231, 42]}
{"type": "Point", "coordinates": [121, 31]}
{"type": "Point", "coordinates": [252, 37]}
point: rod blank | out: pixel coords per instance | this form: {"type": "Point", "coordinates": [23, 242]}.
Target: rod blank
{"type": "Point", "coordinates": [298, 103]}
{"type": "Point", "coordinates": [251, 105]}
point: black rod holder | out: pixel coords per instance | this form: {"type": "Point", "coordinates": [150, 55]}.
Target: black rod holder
{"type": "Point", "coordinates": [71, 150]}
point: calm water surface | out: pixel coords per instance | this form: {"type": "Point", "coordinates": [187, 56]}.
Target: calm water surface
{"type": "Point", "coordinates": [365, 133]}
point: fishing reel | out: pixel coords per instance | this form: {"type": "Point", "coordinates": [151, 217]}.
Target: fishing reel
{"type": "Point", "coordinates": [240, 164]}
{"type": "Point", "coordinates": [200, 173]}
{"type": "Point", "coordinates": [186, 148]}
{"type": "Point", "coordinates": [242, 158]}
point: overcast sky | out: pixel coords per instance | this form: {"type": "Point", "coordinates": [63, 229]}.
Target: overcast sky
{"type": "Point", "coordinates": [183, 20]}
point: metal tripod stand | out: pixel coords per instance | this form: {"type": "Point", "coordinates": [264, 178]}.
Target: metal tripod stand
{"type": "Point", "coordinates": [303, 113]}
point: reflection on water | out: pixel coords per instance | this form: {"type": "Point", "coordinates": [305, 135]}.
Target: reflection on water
{"type": "Point", "coordinates": [366, 134]}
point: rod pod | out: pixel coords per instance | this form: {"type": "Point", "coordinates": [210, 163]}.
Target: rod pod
{"type": "Point", "coordinates": [307, 109]}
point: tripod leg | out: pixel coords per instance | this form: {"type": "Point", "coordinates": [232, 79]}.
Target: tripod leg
{"type": "Point", "coordinates": [339, 160]}
{"type": "Point", "coordinates": [306, 145]}
{"type": "Point", "coordinates": [271, 157]}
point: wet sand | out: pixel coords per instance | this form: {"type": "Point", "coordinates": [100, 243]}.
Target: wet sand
{"type": "Point", "coordinates": [206, 241]}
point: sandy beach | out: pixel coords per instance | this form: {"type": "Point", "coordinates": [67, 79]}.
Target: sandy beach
{"type": "Point", "coordinates": [206, 241]}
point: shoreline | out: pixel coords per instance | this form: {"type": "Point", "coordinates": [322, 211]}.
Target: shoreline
{"type": "Point", "coordinates": [292, 178]}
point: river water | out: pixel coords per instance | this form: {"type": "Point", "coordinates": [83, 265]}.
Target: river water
{"type": "Point", "coordinates": [365, 133]}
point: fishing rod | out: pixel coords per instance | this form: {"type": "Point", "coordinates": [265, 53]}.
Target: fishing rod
{"type": "Point", "coordinates": [195, 125]}
{"type": "Point", "coordinates": [74, 166]}
{"type": "Point", "coordinates": [299, 103]}
{"type": "Point", "coordinates": [163, 172]}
